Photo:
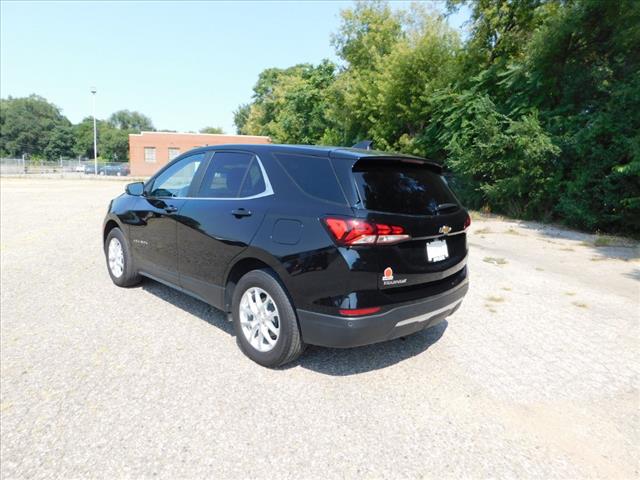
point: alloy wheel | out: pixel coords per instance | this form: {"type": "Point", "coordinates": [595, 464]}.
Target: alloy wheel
{"type": "Point", "coordinates": [259, 319]}
{"type": "Point", "coordinates": [116, 258]}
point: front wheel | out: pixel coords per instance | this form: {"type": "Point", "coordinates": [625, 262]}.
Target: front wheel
{"type": "Point", "coordinates": [119, 260]}
{"type": "Point", "coordinates": [265, 321]}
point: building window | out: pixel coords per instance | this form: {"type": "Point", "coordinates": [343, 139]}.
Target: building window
{"type": "Point", "coordinates": [150, 154]}
{"type": "Point", "coordinates": [173, 152]}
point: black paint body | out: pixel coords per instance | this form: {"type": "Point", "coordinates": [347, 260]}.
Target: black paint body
{"type": "Point", "coordinates": [200, 247]}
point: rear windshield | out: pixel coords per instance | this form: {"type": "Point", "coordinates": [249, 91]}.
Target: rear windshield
{"type": "Point", "coordinates": [397, 187]}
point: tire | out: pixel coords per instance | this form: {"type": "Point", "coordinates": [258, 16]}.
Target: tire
{"type": "Point", "coordinates": [288, 344]}
{"type": "Point", "coordinates": [127, 276]}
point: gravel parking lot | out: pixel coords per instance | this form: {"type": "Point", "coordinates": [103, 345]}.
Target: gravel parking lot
{"type": "Point", "coordinates": [537, 374]}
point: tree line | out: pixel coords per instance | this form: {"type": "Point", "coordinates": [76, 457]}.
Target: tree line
{"type": "Point", "coordinates": [535, 115]}
{"type": "Point", "coordinates": [34, 127]}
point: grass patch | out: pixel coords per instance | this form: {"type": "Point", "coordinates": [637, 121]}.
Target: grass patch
{"type": "Point", "coordinates": [513, 231]}
{"type": "Point", "coordinates": [567, 249]}
{"type": "Point", "coordinates": [495, 299]}
{"type": "Point", "coordinates": [483, 230]}
{"type": "Point", "coordinates": [601, 240]}
{"type": "Point", "coordinates": [604, 241]}
{"type": "Point", "coordinates": [495, 260]}
{"type": "Point", "coordinates": [580, 304]}
{"type": "Point", "coordinates": [540, 269]}
{"type": "Point", "coordinates": [490, 308]}
{"type": "Point", "coordinates": [570, 294]}
{"type": "Point", "coordinates": [506, 289]}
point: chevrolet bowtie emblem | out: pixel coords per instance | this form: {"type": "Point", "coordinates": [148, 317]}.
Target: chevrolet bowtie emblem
{"type": "Point", "coordinates": [445, 229]}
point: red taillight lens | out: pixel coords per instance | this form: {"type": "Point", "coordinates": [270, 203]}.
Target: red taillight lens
{"type": "Point", "coordinates": [467, 221]}
{"type": "Point", "coordinates": [351, 231]}
{"type": "Point", "coordinates": [354, 312]}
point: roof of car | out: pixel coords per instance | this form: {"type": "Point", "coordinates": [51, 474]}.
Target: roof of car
{"type": "Point", "coordinates": [318, 150]}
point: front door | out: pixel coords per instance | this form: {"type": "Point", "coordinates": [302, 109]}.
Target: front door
{"type": "Point", "coordinates": [153, 233]}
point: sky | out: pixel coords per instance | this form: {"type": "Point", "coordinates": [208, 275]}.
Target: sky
{"type": "Point", "coordinates": [186, 65]}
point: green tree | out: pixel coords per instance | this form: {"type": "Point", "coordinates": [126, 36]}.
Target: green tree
{"type": "Point", "coordinates": [240, 117]}
{"type": "Point", "coordinates": [290, 105]}
{"type": "Point", "coordinates": [214, 130]}
{"type": "Point", "coordinates": [61, 142]}
{"type": "Point", "coordinates": [135, 122]}
{"type": "Point", "coordinates": [113, 144]}
{"type": "Point", "coordinates": [27, 124]}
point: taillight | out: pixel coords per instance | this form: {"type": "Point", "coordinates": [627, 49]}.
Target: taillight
{"type": "Point", "coordinates": [467, 221]}
{"type": "Point", "coordinates": [351, 231]}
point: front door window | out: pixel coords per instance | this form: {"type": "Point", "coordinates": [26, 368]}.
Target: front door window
{"type": "Point", "coordinates": [176, 180]}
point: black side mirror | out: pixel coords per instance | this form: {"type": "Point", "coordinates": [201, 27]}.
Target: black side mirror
{"type": "Point", "coordinates": [136, 189]}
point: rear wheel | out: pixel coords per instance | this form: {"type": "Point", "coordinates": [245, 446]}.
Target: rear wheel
{"type": "Point", "coordinates": [265, 321]}
{"type": "Point", "coordinates": [119, 259]}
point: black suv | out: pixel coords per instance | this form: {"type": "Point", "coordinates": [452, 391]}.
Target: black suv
{"type": "Point", "coordinates": [327, 246]}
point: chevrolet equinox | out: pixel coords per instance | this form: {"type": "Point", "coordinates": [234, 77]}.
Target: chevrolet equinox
{"type": "Point", "coordinates": [328, 246]}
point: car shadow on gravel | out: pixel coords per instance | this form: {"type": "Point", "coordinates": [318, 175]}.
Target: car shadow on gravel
{"type": "Point", "coordinates": [342, 362]}
{"type": "Point", "coordinates": [328, 361]}
{"type": "Point", "coordinates": [195, 307]}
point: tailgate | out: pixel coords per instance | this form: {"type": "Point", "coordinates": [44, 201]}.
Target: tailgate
{"type": "Point", "coordinates": [416, 197]}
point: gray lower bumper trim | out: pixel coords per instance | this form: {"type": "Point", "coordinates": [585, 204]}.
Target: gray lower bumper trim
{"type": "Point", "coordinates": [427, 316]}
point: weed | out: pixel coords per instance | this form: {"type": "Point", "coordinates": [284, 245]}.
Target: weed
{"type": "Point", "coordinates": [495, 299]}
{"type": "Point", "coordinates": [495, 260]}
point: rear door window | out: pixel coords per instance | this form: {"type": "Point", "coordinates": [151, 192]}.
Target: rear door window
{"type": "Point", "coordinates": [399, 187]}
{"type": "Point", "coordinates": [232, 175]}
{"type": "Point", "coordinates": [313, 175]}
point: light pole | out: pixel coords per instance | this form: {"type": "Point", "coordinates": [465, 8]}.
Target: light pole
{"type": "Point", "coordinates": [95, 132]}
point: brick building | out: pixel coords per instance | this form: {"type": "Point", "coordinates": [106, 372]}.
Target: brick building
{"type": "Point", "coordinates": [149, 151]}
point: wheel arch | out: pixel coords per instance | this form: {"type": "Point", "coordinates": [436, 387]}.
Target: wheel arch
{"type": "Point", "coordinates": [109, 225]}
{"type": "Point", "coordinates": [243, 266]}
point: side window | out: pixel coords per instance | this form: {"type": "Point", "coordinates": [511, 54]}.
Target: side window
{"type": "Point", "coordinates": [232, 174]}
{"type": "Point", "coordinates": [313, 175]}
{"type": "Point", "coordinates": [254, 181]}
{"type": "Point", "coordinates": [176, 180]}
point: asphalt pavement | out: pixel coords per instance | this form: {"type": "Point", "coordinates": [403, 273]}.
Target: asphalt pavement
{"type": "Point", "coordinates": [535, 376]}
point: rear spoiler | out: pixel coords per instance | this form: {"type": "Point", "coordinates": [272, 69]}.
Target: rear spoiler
{"type": "Point", "coordinates": [433, 166]}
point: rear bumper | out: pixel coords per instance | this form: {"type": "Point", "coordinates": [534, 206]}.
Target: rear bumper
{"type": "Point", "coordinates": [405, 319]}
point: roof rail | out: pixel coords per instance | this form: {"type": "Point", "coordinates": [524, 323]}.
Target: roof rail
{"type": "Point", "coordinates": [364, 145]}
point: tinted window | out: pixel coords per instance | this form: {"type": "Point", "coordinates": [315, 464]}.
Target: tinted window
{"type": "Point", "coordinates": [313, 175]}
{"type": "Point", "coordinates": [226, 175]}
{"type": "Point", "coordinates": [401, 188]}
{"type": "Point", "coordinates": [176, 180]}
{"type": "Point", "coordinates": [253, 181]}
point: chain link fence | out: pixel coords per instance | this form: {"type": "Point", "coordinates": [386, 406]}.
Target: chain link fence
{"type": "Point", "coordinates": [63, 167]}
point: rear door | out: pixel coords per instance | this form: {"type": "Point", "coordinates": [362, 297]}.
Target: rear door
{"type": "Point", "coordinates": [416, 197]}
{"type": "Point", "coordinates": [221, 220]}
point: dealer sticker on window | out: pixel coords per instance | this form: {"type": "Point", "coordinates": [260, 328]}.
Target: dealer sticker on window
{"type": "Point", "coordinates": [437, 250]}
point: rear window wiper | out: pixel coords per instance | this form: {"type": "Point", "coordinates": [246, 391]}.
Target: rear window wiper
{"type": "Point", "coordinates": [446, 206]}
